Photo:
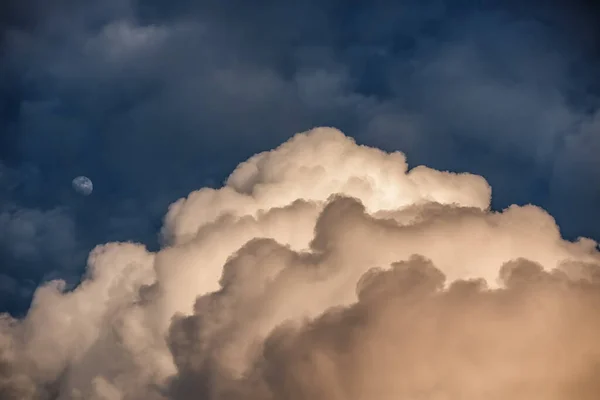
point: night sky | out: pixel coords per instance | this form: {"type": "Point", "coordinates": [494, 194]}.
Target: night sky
{"type": "Point", "coordinates": [154, 99]}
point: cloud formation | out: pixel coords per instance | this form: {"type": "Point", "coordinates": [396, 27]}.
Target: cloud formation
{"type": "Point", "coordinates": [153, 99]}
{"type": "Point", "coordinates": [322, 269]}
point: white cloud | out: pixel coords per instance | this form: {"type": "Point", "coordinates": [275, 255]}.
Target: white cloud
{"type": "Point", "coordinates": [289, 307]}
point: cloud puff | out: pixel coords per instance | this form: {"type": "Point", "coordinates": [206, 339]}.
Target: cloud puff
{"type": "Point", "coordinates": [322, 269]}
{"type": "Point", "coordinates": [408, 338]}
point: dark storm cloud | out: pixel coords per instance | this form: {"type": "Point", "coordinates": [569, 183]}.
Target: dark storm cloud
{"type": "Point", "coordinates": [153, 99]}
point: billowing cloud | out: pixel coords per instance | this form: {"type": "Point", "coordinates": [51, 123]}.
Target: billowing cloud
{"type": "Point", "coordinates": [152, 99]}
{"type": "Point", "coordinates": [322, 269]}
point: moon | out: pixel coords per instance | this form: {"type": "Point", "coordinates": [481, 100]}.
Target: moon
{"type": "Point", "coordinates": [83, 185]}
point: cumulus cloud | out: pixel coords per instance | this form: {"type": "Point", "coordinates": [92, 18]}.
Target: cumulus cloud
{"type": "Point", "coordinates": [322, 269]}
{"type": "Point", "coordinates": [151, 98]}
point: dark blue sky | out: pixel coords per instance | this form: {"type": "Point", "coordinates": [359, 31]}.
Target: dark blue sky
{"type": "Point", "coordinates": [154, 99]}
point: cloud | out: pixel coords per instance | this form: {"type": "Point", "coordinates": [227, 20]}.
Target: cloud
{"type": "Point", "coordinates": [152, 99]}
{"type": "Point", "coordinates": [322, 269]}
{"type": "Point", "coordinates": [25, 232]}
{"type": "Point", "coordinates": [407, 338]}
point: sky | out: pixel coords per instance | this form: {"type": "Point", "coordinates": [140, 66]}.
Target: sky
{"type": "Point", "coordinates": [152, 100]}
{"type": "Point", "coordinates": [290, 194]}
